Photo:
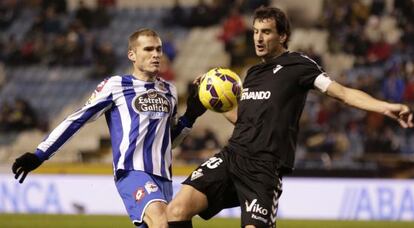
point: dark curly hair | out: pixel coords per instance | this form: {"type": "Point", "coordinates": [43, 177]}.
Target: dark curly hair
{"type": "Point", "coordinates": [282, 21]}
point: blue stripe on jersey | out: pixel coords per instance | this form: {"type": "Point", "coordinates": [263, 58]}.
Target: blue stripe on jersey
{"type": "Point", "coordinates": [165, 142]}
{"type": "Point", "coordinates": [148, 142]}
{"type": "Point", "coordinates": [76, 124]}
{"type": "Point", "coordinates": [116, 133]}
{"type": "Point", "coordinates": [149, 86]}
{"type": "Point", "coordinates": [129, 95]}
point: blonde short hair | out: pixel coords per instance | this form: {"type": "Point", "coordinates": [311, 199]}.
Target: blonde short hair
{"type": "Point", "coordinates": [132, 40]}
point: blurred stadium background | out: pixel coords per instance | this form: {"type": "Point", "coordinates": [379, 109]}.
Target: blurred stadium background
{"type": "Point", "coordinates": [54, 52]}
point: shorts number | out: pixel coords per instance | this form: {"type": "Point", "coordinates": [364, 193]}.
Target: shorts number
{"type": "Point", "coordinates": [212, 163]}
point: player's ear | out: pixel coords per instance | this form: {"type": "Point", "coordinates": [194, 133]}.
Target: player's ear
{"type": "Point", "coordinates": [131, 55]}
{"type": "Point", "coordinates": [283, 38]}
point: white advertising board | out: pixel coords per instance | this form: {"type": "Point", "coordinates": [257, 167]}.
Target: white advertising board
{"type": "Point", "coordinates": [302, 198]}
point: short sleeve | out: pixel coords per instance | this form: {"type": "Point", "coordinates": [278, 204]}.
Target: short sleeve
{"type": "Point", "coordinates": [309, 70]}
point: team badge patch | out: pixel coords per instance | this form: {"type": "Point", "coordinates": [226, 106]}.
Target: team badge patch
{"type": "Point", "coordinates": [196, 174]}
{"type": "Point", "coordinates": [139, 194]}
{"type": "Point", "coordinates": [97, 91]}
{"type": "Point", "coordinates": [151, 187]}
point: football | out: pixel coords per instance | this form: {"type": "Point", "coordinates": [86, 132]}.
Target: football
{"type": "Point", "coordinates": [220, 89]}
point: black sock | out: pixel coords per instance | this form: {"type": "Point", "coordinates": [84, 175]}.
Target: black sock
{"type": "Point", "coordinates": [180, 224]}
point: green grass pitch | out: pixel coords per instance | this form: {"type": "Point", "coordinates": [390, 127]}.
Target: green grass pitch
{"type": "Point", "coordinates": [69, 221]}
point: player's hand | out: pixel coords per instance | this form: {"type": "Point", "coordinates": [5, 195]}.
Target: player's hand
{"type": "Point", "coordinates": [194, 106]}
{"type": "Point", "coordinates": [402, 114]}
{"type": "Point", "coordinates": [24, 164]}
{"type": "Point", "coordinates": [198, 79]}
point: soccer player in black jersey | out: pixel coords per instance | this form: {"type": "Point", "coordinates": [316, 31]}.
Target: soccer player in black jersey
{"type": "Point", "coordinates": [248, 172]}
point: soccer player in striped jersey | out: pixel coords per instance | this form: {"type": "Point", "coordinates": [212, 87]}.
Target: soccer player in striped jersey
{"type": "Point", "coordinates": [140, 110]}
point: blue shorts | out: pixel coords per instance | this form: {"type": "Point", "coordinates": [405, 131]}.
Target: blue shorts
{"type": "Point", "coordinates": [138, 189]}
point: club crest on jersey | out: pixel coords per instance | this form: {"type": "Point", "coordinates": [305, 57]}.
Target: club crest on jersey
{"type": "Point", "coordinates": [151, 187]}
{"type": "Point", "coordinates": [139, 194]}
{"type": "Point", "coordinates": [151, 103]}
{"type": "Point", "coordinates": [160, 85]}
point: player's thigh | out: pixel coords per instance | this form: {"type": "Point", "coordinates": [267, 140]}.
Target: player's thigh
{"type": "Point", "coordinates": [139, 190]}
{"type": "Point", "coordinates": [212, 181]}
{"type": "Point", "coordinates": [156, 214]}
{"type": "Point", "coordinates": [187, 203]}
{"type": "Point", "coordinates": [258, 188]}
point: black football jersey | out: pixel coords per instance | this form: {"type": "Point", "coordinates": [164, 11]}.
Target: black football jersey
{"type": "Point", "coordinates": [272, 101]}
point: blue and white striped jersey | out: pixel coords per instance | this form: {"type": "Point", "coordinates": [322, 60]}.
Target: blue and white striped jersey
{"type": "Point", "coordinates": [139, 115]}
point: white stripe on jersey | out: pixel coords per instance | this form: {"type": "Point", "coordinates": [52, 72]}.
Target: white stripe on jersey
{"type": "Point", "coordinates": [156, 147]}
{"type": "Point", "coordinates": [138, 159]}
{"type": "Point", "coordinates": [126, 127]}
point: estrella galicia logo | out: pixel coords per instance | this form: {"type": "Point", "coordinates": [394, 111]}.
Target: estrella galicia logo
{"type": "Point", "coordinates": [151, 103]}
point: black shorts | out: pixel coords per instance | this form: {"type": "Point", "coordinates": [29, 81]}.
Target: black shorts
{"type": "Point", "coordinates": [230, 180]}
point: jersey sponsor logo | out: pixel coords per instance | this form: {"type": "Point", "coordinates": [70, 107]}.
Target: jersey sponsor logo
{"type": "Point", "coordinates": [255, 95]}
{"type": "Point", "coordinates": [151, 187]}
{"type": "Point", "coordinates": [212, 163]}
{"type": "Point", "coordinates": [139, 194]}
{"type": "Point", "coordinates": [277, 68]}
{"type": "Point", "coordinates": [259, 218]}
{"type": "Point", "coordinates": [196, 174]}
{"type": "Point", "coordinates": [255, 207]}
{"type": "Point", "coordinates": [151, 103]}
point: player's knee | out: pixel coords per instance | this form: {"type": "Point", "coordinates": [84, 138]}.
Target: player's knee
{"type": "Point", "coordinates": [177, 211]}
{"type": "Point", "coordinates": [156, 216]}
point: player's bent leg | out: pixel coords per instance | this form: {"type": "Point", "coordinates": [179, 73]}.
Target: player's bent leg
{"type": "Point", "coordinates": [155, 215]}
{"type": "Point", "coordinates": [187, 203]}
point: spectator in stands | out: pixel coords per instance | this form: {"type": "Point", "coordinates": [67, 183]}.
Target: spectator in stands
{"type": "Point", "coordinates": [18, 117]}
{"type": "Point", "coordinates": [166, 70]}
{"type": "Point", "coordinates": [377, 7]}
{"type": "Point", "coordinates": [107, 3]}
{"type": "Point", "coordinates": [393, 86]}
{"type": "Point", "coordinates": [104, 61]}
{"type": "Point", "coordinates": [2, 73]}
{"type": "Point", "coordinates": [379, 51]}
{"type": "Point", "coordinates": [101, 17]}
{"type": "Point", "coordinates": [60, 6]}
{"type": "Point", "coordinates": [5, 111]}
{"type": "Point", "coordinates": [168, 47]}
{"type": "Point", "coordinates": [408, 94]}
{"type": "Point", "coordinates": [84, 14]}
{"type": "Point", "coordinates": [176, 16]}
{"type": "Point", "coordinates": [11, 51]}
{"type": "Point", "coordinates": [8, 12]}
{"type": "Point", "coordinates": [23, 116]}
{"type": "Point", "coordinates": [198, 146]}
{"type": "Point", "coordinates": [233, 35]}
{"type": "Point", "coordinates": [51, 22]}
{"type": "Point", "coordinates": [201, 15]}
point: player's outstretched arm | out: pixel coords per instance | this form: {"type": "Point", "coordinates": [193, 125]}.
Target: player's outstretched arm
{"type": "Point", "coordinates": [362, 100]}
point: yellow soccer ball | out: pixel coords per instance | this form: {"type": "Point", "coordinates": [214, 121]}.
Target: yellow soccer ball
{"type": "Point", "coordinates": [220, 89]}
